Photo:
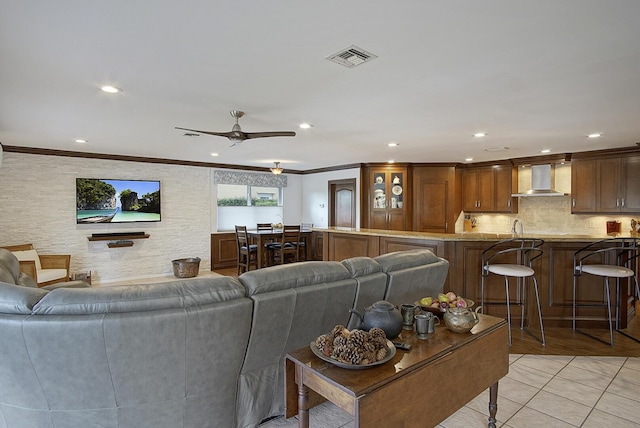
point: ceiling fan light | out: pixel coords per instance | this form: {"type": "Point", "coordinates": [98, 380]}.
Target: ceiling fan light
{"type": "Point", "coordinates": [276, 170]}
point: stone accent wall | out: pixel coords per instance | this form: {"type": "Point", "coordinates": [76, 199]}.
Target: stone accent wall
{"type": "Point", "coordinates": [37, 205]}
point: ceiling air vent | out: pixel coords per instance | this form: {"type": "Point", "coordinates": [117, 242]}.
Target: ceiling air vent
{"type": "Point", "coordinates": [351, 56]}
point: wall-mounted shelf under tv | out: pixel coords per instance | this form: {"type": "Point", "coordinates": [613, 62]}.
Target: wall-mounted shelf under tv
{"type": "Point", "coordinates": [118, 239]}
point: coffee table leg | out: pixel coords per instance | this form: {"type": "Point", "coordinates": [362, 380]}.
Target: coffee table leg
{"type": "Point", "coordinates": [303, 405]}
{"type": "Point", "coordinates": [493, 404]}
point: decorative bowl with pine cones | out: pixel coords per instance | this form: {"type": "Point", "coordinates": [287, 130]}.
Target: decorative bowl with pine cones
{"type": "Point", "coordinates": [353, 349]}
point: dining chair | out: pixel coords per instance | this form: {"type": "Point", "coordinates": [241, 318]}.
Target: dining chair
{"type": "Point", "coordinates": [514, 258]}
{"type": "Point", "coordinates": [304, 239]}
{"type": "Point", "coordinates": [288, 245]}
{"type": "Point", "coordinates": [266, 227]}
{"type": "Point", "coordinates": [608, 258]}
{"type": "Point", "coordinates": [247, 253]}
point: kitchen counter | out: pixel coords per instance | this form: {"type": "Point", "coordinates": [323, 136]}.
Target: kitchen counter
{"type": "Point", "coordinates": [464, 236]}
{"type": "Point", "coordinates": [464, 252]}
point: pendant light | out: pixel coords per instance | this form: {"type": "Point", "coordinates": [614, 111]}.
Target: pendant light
{"type": "Point", "coordinates": [276, 170]}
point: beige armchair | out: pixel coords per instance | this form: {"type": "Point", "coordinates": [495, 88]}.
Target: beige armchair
{"type": "Point", "coordinates": [45, 269]}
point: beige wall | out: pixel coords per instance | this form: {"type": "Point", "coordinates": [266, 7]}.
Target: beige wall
{"type": "Point", "coordinates": [37, 205]}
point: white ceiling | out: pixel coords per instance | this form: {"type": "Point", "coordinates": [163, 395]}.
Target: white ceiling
{"type": "Point", "coordinates": [537, 74]}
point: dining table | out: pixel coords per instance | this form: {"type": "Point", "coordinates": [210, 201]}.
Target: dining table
{"type": "Point", "coordinates": [265, 236]}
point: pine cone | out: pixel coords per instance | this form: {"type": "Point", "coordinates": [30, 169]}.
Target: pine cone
{"type": "Point", "coordinates": [377, 332]}
{"type": "Point", "coordinates": [339, 330]}
{"type": "Point", "coordinates": [322, 340]}
{"type": "Point", "coordinates": [379, 342]}
{"type": "Point", "coordinates": [369, 347]}
{"type": "Point", "coordinates": [350, 355]}
{"type": "Point", "coordinates": [325, 344]}
{"type": "Point", "coordinates": [339, 341]}
{"type": "Point", "coordinates": [381, 353]}
{"type": "Point", "coordinates": [368, 357]}
{"type": "Point", "coordinates": [357, 338]}
{"type": "Point", "coordinates": [338, 351]}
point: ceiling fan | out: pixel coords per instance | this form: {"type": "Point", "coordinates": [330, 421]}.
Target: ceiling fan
{"type": "Point", "coordinates": [236, 135]}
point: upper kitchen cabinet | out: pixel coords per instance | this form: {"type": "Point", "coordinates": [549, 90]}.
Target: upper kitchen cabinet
{"type": "Point", "coordinates": [488, 189]}
{"type": "Point", "coordinates": [583, 185]}
{"type": "Point", "coordinates": [387, 198]}
{"type": "Point", "coordinates": [606, 185]}
{"type": "Point", "coordinates": [435, 200]}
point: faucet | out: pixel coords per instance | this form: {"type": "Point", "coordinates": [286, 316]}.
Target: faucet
{"type": "Point", "coordinates": [519, 231]}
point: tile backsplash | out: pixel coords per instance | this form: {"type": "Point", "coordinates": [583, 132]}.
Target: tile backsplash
{"type": "Point", "coordinates": [547, 214]}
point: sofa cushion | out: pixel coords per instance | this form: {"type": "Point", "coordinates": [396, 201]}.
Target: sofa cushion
{"type": "Point", "coordinates": [46, 275]}
{"type": "Point", "coordinates": [150, 297]}
{"type": "Point", "coordinates": [19, 300]}
{"type": "Point", "coordinates": [406, 259]}
{"type": "Point", "coordinates": [28, 255]}
{"type": "Point", "coordinates": [292, 275]}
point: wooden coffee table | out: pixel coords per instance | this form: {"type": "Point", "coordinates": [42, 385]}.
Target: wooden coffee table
{"type": "Point", "coordinates": [421, 387]}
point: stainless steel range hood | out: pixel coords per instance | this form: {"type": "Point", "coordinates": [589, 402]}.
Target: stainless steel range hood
{"type": "Point", "coordinates": [542, 181]}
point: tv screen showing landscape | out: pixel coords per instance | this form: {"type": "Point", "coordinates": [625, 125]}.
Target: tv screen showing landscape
{"type": "Point", "coordinates": [117, 201]}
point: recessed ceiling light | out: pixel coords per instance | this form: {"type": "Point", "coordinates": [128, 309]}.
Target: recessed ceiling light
{"type": "Point", "coordinates": [480, 134]}
{"type": "Point", "coordinates": [391, 161]}
{"type": "Point", "coordinates": [80, 140]}
{"type": "Point", "coordinates": [594, 135]}
{"type": "Point", "coordinates": [545, 151]}
{"type": "Point", "coordinates": [393, 144]}
{"type": "Point", "coordinates": [305, 125]}
{"type": "Point", "coordinates": [110, 89]}
{"type": "Point", "coordinates": [214, 154]}
{"type": "Point", "coordinates": [468, 159]}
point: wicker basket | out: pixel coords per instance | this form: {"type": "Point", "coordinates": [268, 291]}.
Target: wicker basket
{"type": "Point", "coordinates": [186, 268]}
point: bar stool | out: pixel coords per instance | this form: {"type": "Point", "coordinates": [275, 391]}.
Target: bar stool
{"type": "Point", "coordinates": [247, 253]}
{"type": "Point", "coordinates": [616, 257]}
{"type": "Point", "coordinates": [514, 258]}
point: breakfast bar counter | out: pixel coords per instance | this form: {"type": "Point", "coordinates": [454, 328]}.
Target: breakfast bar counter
{"type": "Point", "coordinates": [554, 270]}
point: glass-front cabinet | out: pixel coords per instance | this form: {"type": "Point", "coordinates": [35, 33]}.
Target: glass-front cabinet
{"type": "Point", "coordinates": [387, 199]}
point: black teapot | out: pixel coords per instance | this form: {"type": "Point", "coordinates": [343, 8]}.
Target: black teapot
{"type": "Point", "coordinates": [381, 314]}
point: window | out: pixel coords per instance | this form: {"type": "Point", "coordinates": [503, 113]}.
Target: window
{"type": "Point", "coordinates": [240, 204]}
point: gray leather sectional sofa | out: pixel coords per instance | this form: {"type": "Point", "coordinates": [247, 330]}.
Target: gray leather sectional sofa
{"type": "Point", "coordinates": [201, 352]}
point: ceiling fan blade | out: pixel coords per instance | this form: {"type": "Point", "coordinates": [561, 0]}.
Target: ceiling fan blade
{"type": "Point", "coordinates": [219, 134]}
{"type": "Point", "coordinates": [250, 135]}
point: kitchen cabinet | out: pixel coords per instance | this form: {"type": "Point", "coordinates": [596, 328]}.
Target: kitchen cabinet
{"type": "Point", "coordinates": [618, 185]}
{"type": "Point", "coordinates": [583, 186]}
{"type": "Point", "coordinates": [489, 189]}
{"type": "Point", "coordinates": [606, 185]}
{"type": "Point", "coordinates": [388, 198]}
{"type": "Point", "coordinates": [434, 199]}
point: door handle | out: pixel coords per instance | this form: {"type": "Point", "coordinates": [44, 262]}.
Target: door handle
{"type": "Point", "coordinates": [573, 202]}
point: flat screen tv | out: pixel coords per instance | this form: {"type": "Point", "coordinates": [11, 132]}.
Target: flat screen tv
{"type": "Point", "coordinates": [117, 201]}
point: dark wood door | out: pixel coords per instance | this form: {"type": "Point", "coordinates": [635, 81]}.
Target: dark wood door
{"type": "Point", "coordinates": [583, 186]}
{"type": "Point", "coordinates": [342, 203]}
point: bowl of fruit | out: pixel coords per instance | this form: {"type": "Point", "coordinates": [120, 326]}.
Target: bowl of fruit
{"type": "Point", "coordinates": [439, 304]}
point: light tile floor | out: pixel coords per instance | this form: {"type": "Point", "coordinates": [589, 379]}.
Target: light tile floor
{"type": "Point", "coordinates": [539, 391]}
